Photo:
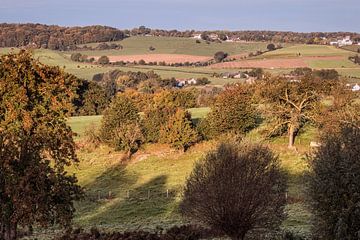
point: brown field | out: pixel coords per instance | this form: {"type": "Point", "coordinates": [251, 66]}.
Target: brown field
{"type": "Point", "coordinates": [168, 58]}
{"type": "Point", "coordinates": [274, 63]}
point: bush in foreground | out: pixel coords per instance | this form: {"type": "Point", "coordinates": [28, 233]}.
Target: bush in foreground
{"type": "Point", "coordinates": [334, 185]}
{"type": "Point", "coordinates": [235, 189]}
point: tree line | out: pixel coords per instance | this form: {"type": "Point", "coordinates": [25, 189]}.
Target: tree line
{"type": "Point", "coordinates": [66, 38]}
{"type": "Point", "coordinates": [55, 37]}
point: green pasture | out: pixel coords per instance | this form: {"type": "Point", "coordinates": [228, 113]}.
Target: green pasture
{"type": "Point", "coordinates": [306, 51]}
{"type": "Point", "coordinates": [145, 192]}
{"type": "Point", "coordinates": [175, 45]}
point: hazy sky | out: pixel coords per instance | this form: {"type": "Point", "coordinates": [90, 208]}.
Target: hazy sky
{"type": "Point", "coordinates": [294, 15]}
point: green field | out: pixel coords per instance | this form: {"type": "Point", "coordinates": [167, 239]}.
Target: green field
{"type": "Point", "coordinates": [306, 51]}
{"type": "Point", "coordinates": [138, 45]}
{"type": "Point", "coordinates": [134, 195]}
{"type": "Point", "coordinates": [352, 48]}
{"type": "Point", "coordinates": [80, 124]}
{"type": "Point", "coordinates": [175, 45]}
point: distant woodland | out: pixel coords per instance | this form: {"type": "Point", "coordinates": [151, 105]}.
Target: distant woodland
{"type": "Point", "coordinates": [66, 38]}
{"type": "Point", "coordinates": [55, 37]}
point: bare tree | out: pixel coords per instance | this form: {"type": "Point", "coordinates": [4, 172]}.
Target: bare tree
{"type": "Point", "coordinates": [235, 189]}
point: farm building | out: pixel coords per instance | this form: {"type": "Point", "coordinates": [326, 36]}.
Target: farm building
{"type": "Point", "coordinates": [355, 88]}
{"type": "Point", "coordinates": [184, 82]}
{"type": "Point", "coordinates": [197, 36]}
{"type": "Point", "coordinates": [342, 42]}
{"type": "Point", "coordinates": [236, 75]}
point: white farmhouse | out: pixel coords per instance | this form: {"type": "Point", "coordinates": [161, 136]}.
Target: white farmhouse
{"type": "Point", "coordinates": [343, 42]}
{"type": "Point", "coordinates": [356, 88]}
{"type": "Point", "coordinates": [197, 36]}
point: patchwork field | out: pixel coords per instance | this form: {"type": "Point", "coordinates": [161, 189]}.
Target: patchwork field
{"type": "Point", "coordinates": [185, 49]}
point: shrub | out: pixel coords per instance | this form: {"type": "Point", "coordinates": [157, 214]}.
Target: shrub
{"type": "Point", "coordinates": [220, 56]}
{"type": "Point", "coordinates": [326, 74]}
{"type": "Point", "coordinates": [154, 118]}
{"type": "Point", "coordinates": [75, 57]}
{"type": "Point", "coordinates": [236, 188]}
{"type": "Point", "coordinates": [103, 60]}
{"type": "Point", "coordinates": [232, 111]}
{"type": "Point", "coordinates": [128, 137]}
{"type": "Point", "coordinates": [92, 137]}
{"type": "Point", "coordinates": [271, 47]}
{"type": "Point", "coordinates": [120, 113]}
{"type": "Point", "coordinates": [334, 187]}
{"type": "Point", "coordinates": [179, 131]}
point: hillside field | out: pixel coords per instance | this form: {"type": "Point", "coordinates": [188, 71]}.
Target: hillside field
{"type": "Point", "coordinates": [281, 60]}
{"type": "Point", "coordinates": [145, 192]}
{"type": "Point", "coordinates": [173, 45]}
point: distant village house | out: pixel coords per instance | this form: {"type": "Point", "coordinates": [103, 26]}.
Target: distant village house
{"type": "Point", "coordinates": [342, 42]}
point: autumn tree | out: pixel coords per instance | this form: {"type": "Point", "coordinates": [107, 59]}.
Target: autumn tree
{"type": "Point", "coordinates": [271, 47]}
{"type": "Point", "coordinates": [91, 98]}
{"type": "Point", "coordinates": [289, 105]}
{"type": "Point", "coordinates": [183, 98]}
{"type": "Point", "coordinates": [128, 137]}
{"type": "Point", "coordinates": [120, 126]}
{"type": "Point", "coordinates": [237, 188]}
{"type": "Point", "coordinates": [154, 118]}
{"type": "Point", "coordinates": [35, 145]}
{"type": "Point", "coordinates": [334, 187]}
{"type": "Point", "coordinates": [232, 111]}
{"type": "Point", "coordinates": [103, 60]}
{"type": "Point", "coordinates": [220, 56]}
{"type": "Point", "coordinates": [179, 131]}
{"type": "Point", "coordinates": [342, 108]}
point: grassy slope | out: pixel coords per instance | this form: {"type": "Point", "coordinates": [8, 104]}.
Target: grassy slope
{"type": "Point", "coordinates": [307, 51]}
{"type": "Point", "coordinates": [174, 45]}
{"type": "Point", "coordinates": [156, 169]}
{"type": "Point", "coordinates": [344, 66]}
{"type": "Point", "coordinates": [86, 71]}
{"type": "Point", "coordinates": [181, 45]}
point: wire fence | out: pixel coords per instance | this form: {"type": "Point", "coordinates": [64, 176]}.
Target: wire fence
{"type": "Point", "coordinates": [131, 194]}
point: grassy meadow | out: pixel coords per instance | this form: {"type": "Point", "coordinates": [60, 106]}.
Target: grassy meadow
{"type": "Point", "coordinates": [145, 192]}
{"type": "Point", "coordinates": [174, 45]}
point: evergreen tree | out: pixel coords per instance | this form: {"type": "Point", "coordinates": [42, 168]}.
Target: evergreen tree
{"type": "Point", "coordinates": [179, 131]}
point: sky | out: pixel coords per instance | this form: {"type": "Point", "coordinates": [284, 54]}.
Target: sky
{"type": "Point", "coordinates": [280, 15]}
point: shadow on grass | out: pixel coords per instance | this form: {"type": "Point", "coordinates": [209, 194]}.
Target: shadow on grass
{"type": "Point", "coordinates": [120, 202]}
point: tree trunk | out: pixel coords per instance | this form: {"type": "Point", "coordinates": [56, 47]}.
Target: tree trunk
{"type": "Point", "coordinates": [10, 232]}
{"type": "Point", "coordinates": [291, 136]}
{"type": "Point", "coordinates": [2, 231]}
{"type": "Point", "coordinates": [240, 236]}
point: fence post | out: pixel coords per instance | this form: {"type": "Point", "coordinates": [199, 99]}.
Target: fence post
{"type": "Point", "coordinates": [99, 197]}
{"type": "Point", "coordinates": [167, 193]}
{"type": "Point", "coordinates": [127, 193]}
{"type": "Point", "coordinates": [148, 194]}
